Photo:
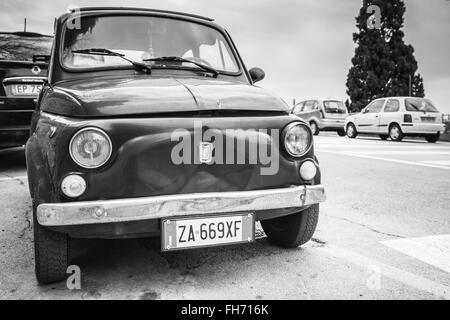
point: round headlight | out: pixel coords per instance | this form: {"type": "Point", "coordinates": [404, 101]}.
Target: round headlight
{"type": "Point", "coordinates": [73, 186]}
{"type": "Point", "coordinates": [90, 148]}
{"type": "Point", "coordinates": [297, 139]}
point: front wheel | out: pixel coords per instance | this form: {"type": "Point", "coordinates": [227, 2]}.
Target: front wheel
{"type": "Point", "coordinates": [341, 133]}
{"type": "Point", "coordinates": [351, 131]}
{"type": "Point", "coordinates": [51, 251]}
{"type": "Point", "coordinates": [384, 136]}
{"type": "Point", "coordinates": [293, 230]}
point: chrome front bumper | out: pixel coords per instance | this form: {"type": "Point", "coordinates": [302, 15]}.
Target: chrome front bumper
{"type": "Point", "coordinates": [137, 209]}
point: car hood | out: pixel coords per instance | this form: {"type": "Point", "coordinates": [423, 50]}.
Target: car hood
{"type": "Point", "coordinates": [113, 96]}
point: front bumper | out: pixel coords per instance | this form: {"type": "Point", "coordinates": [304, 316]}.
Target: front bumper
{"type": "Point", "coordinates": [140, 209]}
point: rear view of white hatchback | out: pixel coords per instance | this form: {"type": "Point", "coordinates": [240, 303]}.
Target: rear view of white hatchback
{"type": "Point", "coordinates": [397, 117]}
{"type": "Point", "coordinates": [323, 115]}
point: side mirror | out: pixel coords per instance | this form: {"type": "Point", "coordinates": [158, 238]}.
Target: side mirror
{"type": "Point", "coordinates": [257, 74]}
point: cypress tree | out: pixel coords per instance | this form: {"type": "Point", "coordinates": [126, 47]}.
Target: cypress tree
{"type": "Point", "coordinates": [383, 65]}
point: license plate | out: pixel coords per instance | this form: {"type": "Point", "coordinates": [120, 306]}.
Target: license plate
{"type": "Point", "coordinates": [209, 231]}
{"type": "Point", "coordinates": [428, 119]}
{"type": "Point", "coordinates": [26, 89]}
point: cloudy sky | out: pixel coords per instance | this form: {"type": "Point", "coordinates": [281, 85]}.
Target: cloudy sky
{"type": "Point", "coordinates": [305, 46]}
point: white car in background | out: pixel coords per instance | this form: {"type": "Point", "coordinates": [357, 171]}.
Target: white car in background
{"type": "Point", "coordinates": [396, 117]}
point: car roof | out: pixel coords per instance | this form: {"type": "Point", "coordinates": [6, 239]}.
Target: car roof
{"type": "Point", "coordinates": [122, 9]}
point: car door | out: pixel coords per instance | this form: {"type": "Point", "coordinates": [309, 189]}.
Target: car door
{"type": "Point", "coordinates": [317, 113]}
{"type": "Point", "coordinates": [298, 108]}
{"type": "Point", "coordinates": [307, 111]}
{"type": "Point", "coordinates": [390, 113]}
{"type": "Point", "coordinates": [313, 111]}
{"type": "Point", "coordinates": [369, 119]}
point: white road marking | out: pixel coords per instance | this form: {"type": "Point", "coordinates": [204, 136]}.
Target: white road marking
{"type": "Point", "coordinates": [14, 178]}
{"type": "Point", "coordinates": [377, 147]}
{"type": "Point", "coordinates": [385, 159]}
{"type": "Point", "coordinates": [406, 152]}
{"type": "Point", "coordinates": [382, 150]}
{"type": "Point", "coordinates": [393, 273]}
{"type": "Point", "coordinates": [434, 250]}
{"type": "Point", "coordinates": [440, 162]}
{"type": "Point", "coordinates": [383, 145]}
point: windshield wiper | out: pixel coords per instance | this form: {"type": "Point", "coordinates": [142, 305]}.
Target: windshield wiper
{"type": "Point", "coordinates": [106, 52]}
{"type": "Point", "coordinates": [179, 59]}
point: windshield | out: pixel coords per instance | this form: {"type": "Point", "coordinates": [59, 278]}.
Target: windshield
{"type": "Point", "coordinates": [419, 104]}
{"type": "Point", "coordinates": [142, 37]}
{"type": "Point", "coordinates": [23, 46]}
{"type": "Point", "coordinates": [334, 107]}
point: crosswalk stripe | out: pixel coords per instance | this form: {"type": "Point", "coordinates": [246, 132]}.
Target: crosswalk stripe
{"type": "Point", "coordinates": [396, 274]}
{"type": "Point", "coordinates": [433, 250]}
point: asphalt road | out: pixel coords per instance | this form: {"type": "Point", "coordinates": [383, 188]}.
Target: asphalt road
{"type": "Point", "coordinates": [384, 233]}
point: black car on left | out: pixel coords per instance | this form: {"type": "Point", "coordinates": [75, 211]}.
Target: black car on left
{"type": "Point", "coordinates": [23, 70]}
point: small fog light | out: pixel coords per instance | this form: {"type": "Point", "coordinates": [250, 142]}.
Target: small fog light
{"type": "Point", "coordinates": [73, 186]}
{"type": "Point", "coordinates": [308, 170]}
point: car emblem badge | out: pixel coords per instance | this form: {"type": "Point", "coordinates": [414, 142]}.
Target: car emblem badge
{"type": "Point", "coordinates": [36, 70]}
{"type": "Point", "coordinates": [205, 152]}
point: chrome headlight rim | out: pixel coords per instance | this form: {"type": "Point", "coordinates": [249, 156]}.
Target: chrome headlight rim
{"type": "Point", "coordinates": [103, 133]}
{"type": "Point", "coordinates": [286, 130]}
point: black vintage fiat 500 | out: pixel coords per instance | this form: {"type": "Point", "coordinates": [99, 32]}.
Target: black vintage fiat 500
{"type": "Point", "coordinates": [150, 125]}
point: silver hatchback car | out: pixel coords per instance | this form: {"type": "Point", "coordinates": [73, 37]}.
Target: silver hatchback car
{"type": "Point", "coordinates": [323, 115]}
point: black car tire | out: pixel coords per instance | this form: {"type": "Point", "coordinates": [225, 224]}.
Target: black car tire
{"type": "Point", "coordinates": [293, 230]}
{"type": "Point", "coordinates": [396, 133]}
{"type": "Point", "coordinates": [314, 128]}
{"type": "Point", "coordinates": [351, 131]}
{"type": "Point", "coordinates": [433, 138]}
{"type": "Point", "coordinates": [51, 251]}
{"type": "Point", "coordinates": [384, 136]}
{"type": "Point", "coordinates": [341, 133]}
